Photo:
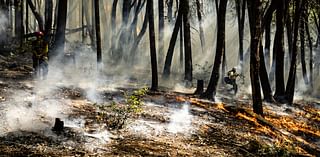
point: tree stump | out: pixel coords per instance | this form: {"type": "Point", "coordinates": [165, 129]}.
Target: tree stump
{"type": "Point", "coordinates": [58, 125]}
{"type": "Point", "coordinates": [200, 85]}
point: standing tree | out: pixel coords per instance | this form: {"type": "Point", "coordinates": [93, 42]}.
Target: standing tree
{"type": "Point", "coordinates": [187, 41]}
{"type": "Point", "coordinates": [293, 66]}
{"type": "Point", "coordinates": [98, 34]}
{"type": "Point", "coordinates": [241, 12]}
{"type": "Point", "coordinates": [61, 28]}
{"type": "Point", "coordinates": [278, 51]}
{"type": "Point", "coordinates": [255, 11]}
{"type": "Point", "coordinates": [161, 28]}
{"type": "Point", "coordinates": [212, 87]}
{"type": "Point", "coordinates": [153, 53]}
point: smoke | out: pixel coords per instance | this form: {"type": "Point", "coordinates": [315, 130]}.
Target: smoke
{"type": "Point", "coordinates": [3, 25]}
{"type": "Point", "coordinates": [180, 120]}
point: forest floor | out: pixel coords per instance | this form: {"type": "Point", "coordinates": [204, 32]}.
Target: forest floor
{"type": "Point", "coordinates": [128, 120]}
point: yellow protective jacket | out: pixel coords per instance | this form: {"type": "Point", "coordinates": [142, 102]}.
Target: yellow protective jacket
{"type": "Point", "coordinates": [40, 48]}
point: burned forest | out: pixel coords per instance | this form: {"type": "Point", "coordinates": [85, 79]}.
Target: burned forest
{"type": "Point", "coordinates": [160, 78]}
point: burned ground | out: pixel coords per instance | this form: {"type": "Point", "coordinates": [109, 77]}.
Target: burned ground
{"type": "Point", "coordinates": [128, 121]}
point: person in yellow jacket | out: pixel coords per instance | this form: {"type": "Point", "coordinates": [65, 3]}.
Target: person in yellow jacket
{"type": "Point", "coordinates": [232, 79]}
{"type": "Point", "coordinates": [40, 50]}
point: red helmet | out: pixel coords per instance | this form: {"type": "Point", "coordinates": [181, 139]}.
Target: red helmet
{"type": "Point", "coordinates": [39, 34]}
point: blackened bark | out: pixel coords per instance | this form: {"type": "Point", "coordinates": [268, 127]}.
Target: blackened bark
{"type": "Point", "coordinates": [19, 30]}
{"type": "Point", "coordinates": [187, 41]}
{"type": "Point", "coordinates": [168, 61]}
{"type": "Point", "coordinates": [61, 27]}
{"type": "Point", "coordinates": [153, 52]}
{"type": "Point", "coordinates": [289, 28]}
{"type": "Point", "coordinates": [265, 84]}
{"type": "Point", "coordinates": [267, 26]}
{"type": "Point", "coordinates": [48, 15]}
{"type": "Point", "coordinates": [161, 28]}
{"type": "Point", "coordinates": [293, 66]}
{"type": "Point", "coordinates": [170, 5]}
{"type": "Point", "coordinates": [310, 54]}
{"type": "Point", "coordinates": [212, 87]}
{"type": "Point", "coordinates": [278, 51]}
{"type": "Point", "coordinates": [181, 45]}
{"type": "Point", "coordinates": [98, 34]}
{"type": "Point", "coordinates": [113, 26]}
{"type": "Point", "coordinates": [48, 19]}
{"type": "Point", "coordinates": [255, 17]}
{"type": "Point", "coordinates": [241, 12]}
{"type": "Point", "coordinates": [302, 45]}
{"type": "Point", "coordinates": [37, 15]}
{"type": "Point", "coordinates": [202, 39]}
{"type": "Point", "coordinates": [141, 33]}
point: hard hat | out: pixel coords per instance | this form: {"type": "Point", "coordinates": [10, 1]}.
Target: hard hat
{"type": "Point", "coordinates": [39, 34]}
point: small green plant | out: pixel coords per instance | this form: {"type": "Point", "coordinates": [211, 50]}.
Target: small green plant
{"type": "Point", "coordinates": [118, 117]}
{"type": "Point", "coordinates": [135, 100]}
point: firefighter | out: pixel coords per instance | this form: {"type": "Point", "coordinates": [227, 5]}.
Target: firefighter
{"type": "Point", "coordinates": [40, 55]}
{"type": "Point", "coordinates": [232, 79]}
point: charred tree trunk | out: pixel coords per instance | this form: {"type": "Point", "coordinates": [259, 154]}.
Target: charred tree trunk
{"type": "Point", "coordinates": [161, 28]}
{"type": "Point", "coordinates": [113, 26]}
{"type": "Point", "coordinates": [278, 52]}
{"type": "Point", "coordinates": [267, 26]}
{"type": "Point", "coordinates": [310, 54]}
{"type": "Point", "coordinates": [241, 12]}
{"type": "Point", "coordinates": [187, 41]}
{"type": "Point", "coordinates": [36, 14]}
{"type": "Point", "coordinates": [181, 45]}
{"type": "Point", "coordinates": [288, 21]}
{"type": "Point", "coordinates": [255, 17]}
{"type": "Point", "coordinates": [302, 45]}
{"type": "Point", "coordinates": [168, 60]}
{"type": "Point", "coordinates": [61, 27]}
{"type": "Point", "coordinates": [18, 29]}
{"type": "Point", "coordinates": [212, 87]}
{"type": "Point", "coordinates": [202, 39]}
{"type": "Point", "coordinates": [153, 53]}
{"type": "Point", "coordinates": [293, 65]}
{"type": "Point", "coordinates": [265, 84]}
{"type": "Point", "coordinates": [170, 5]}
{"type": "Point", "coordinates": [98, 33]}
{"type": "Point", "coordinates": [48, 19]}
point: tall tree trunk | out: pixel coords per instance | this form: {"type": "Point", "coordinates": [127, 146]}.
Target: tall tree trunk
{"type": "Point", "coordinates": [310, 54]}
{"type": "Point", "coordinates": [265, 84]}
{"type": "Point", "coordinates": [202, 38]}
{"type": "Point", "coordinates": [27, 18]}
{"type": "Point", "coordinates": [220, 50]}
{"type": "Point", "coordinates": [169, 56]}
{"type": "Point", "coordinates": [241, 12]}
{"type": "Point", "coordinates": [255, 11]}
{"type": "Point", "coordinates": [170, 5]}
{"type": "Point", "coordinates": [98, 33]}
{"type": "Point", "coordinates": [187, 41]}
{"type": "Point", "coordinates": [181, 45]}
{"type": "Point", "coordinates": [278, 51]}
{"type": "Point", "coordinates": [267, 26]}
{"type": "Point", "coordinates": [48, 19]}
{"type": "Point", "coordinates": [161, 28]}
{"type": "Point", "coordinates": [18, 19]}
{"type": "Point", "coordinates": [36, 14]}
{"type": "Point", "coordinates": [288, 21]}
{"type": "Point", "coordinates": [293, 66]}
{"type": "Point", "coordinates": [113, 27]}
{"type": "Point", "coordinates": [153, 53]}
{"type": "Point", "coordinates": [302, 45]}
{"type": "Point", "coordinates": [61, 27]}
